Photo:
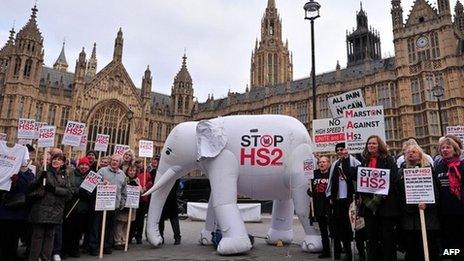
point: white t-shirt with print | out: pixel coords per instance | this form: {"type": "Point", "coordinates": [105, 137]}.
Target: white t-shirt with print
{"type": "Point", "coordinates": [11, 160]}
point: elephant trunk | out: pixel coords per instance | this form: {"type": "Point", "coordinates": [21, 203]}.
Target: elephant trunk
{"type": "Point", "coordinates": [162, 181]}
{"type": "Point", "coordinates": [157, 201]}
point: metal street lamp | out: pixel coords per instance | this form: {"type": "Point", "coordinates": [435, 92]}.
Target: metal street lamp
{"type": "Point", "coordinates": [312, 13]}
{"type": "Point", "coordinates": [438, 92]}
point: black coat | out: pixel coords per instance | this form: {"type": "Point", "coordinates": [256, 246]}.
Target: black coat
{"type": "Point", "coordinates": [49, 208]}
{"type": "Point", "coordinates": [386, 206]}
{"type": "Point", "coordinates": [448, 203]}
{"type": "Point", "coordinates": [410, 212]}
{"type": "Point", "coordinates": [350, 175]}
{"type": "Point", "coordinates": [319, 185]}
{"type": "Point", "coordinates": [170, 209]}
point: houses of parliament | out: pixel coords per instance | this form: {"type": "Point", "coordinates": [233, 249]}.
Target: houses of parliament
{"type": "Point", "coordinates": [428, 52]}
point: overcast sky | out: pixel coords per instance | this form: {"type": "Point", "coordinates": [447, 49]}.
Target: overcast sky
{"type": "Point", "coordinates": [218, 35]}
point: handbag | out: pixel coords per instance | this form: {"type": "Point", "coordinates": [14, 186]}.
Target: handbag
{"type": "Point", "coordinates": [14, 200]}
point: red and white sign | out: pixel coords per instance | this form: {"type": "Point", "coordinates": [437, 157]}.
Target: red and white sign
{"type": "Point", "coordinates": [83, 145]}
{"type": "Point", "coordinates": [106, 197]}
{"type": "Point", "coordinates": [145, 148]}
{"type": "Point", "coordinates": [457, 131]}
{"type": "Point", "coordinates": [373, 180]}
{"type": "Point", "coordinates": [46, 137]}
{"type": "Point", "coordinates": [73, 133]}
{"type": "Point", "coordinates": [91, 181]}
{"type": "Point", "coordinates": [327, 133]}
{"type": "Point", "coordinates": [3, 136]}
{"type": "Point", "coordinates": [120, 149]}
{"type": "Point", "coordinates": [26, 129]}
{"type": "Point", "coordinates": [38, 125]}
{"type": "Point", "coordinates": [418, 184]}
{"type": "Point", "coordinates": [361, 123]}
{"type": "Point", "coordinates": [101, 143]}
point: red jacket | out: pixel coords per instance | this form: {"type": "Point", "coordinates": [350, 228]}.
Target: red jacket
{"type": "Point", "coordinates": [146, 183]}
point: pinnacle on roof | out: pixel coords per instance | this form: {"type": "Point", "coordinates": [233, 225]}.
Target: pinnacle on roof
{"type": "Point", "coordinates": [271, 4]}
{"type": "Point", "coordinates": [62, 58]}
{"type": "Point", "coordinates": [183, 75]}
{"type": "Point", "coordinates": [31, 30]}
{"type": "Point", "coordinates": [94, 51]}
{"type": "Point", "coordinates": [458, 8]}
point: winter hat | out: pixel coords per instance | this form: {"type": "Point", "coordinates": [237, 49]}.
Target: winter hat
{"type": "Point", "coordinates": [84, 161]}
{"type": "Point", "coordinates": [91, 152]}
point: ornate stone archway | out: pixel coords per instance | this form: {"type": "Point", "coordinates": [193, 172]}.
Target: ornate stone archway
{"type": "Point", "coordinates": [111, 118]}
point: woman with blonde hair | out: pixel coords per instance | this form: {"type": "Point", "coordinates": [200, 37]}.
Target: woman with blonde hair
{"type": "Point", "coordinates": [127, 160]}
{"type": "Point", "coordinates": [410, 222]}
{"type": "Point", "coordinates": [380, 212]}
{"type": "Point", "coordinates": [449, 171]}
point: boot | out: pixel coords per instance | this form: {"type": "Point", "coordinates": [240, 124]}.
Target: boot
{"type": "Point", "coordinates": [177, 240]}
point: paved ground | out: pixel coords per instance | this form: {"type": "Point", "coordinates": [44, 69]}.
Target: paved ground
{"type": "Point", "coordinates": [191, 250]}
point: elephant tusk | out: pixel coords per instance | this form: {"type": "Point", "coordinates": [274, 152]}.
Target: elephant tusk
{"type": "Point", "coordinates": [165, 178]}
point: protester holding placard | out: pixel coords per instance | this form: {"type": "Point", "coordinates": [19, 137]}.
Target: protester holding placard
{"type": "Point", "coordinates": [137, 226]}
{"type": "Point", "coordinates": [112, 175]}
{"type": "Point", "coordinates": [50, 191]}
{"type": "Point", "coordinates": [449, 171]}
{"type": "Point", "coordinates": [79, 210]}
{"type": "Point", "coordinates": [406, 145]}
{"type": "Point", "coordinates": [14, 212]}
{"type": "Point", "coordinates": [381, 212]}
{"type": "Point", "coordinates": [127, 159]}
{"type": "Point", "coordinates": [123, 215]}
{"type": "Point", "coordinates": [414, 159]}
{"type": "Point", "coordinates": [321, 202]}
{"type": "Point", "coordinates": [340, 191]}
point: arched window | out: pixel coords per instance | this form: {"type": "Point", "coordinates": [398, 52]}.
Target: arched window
{"type": "Point", "coordinates": [180, 103]}
{"type": "Point", "coordinates": [111, 119]}
{"type": "Point", "coordinates": [17, 66]}
{"type": "Point", "coordinates": [28, 67]}
{"type": "Point", "coordinates": [38, 111]}
{"type": "Point", "coordinates": [21, 107]}
{"type": "Point", "coordinates": [435, 45]}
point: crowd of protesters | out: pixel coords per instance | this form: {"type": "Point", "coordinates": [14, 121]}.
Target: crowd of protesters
{"type": "Point", "coordinates": [54, 218]}
{"type": "Point", "coordinates": [389, 224]}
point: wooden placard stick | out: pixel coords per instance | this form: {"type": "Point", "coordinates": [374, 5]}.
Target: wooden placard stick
{"type": "Point", "coordinates": [128, 229]}
{"type": "Point", "coordinates": [102, 235]}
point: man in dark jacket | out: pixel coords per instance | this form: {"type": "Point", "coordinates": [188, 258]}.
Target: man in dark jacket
{"type": "Point", "coordinates": [170, 212]}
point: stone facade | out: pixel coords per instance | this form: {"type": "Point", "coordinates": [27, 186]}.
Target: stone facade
{"type": "Point", "coordinates": [428, 52]}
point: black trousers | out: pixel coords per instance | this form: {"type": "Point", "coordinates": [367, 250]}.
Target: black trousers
{"type": "Point", "coordinates": [58, 240]}
{"type": "Point", "coordinates": [94, 235]}
{"type": "Point", "coordinates": [175, 227]}
{"type": "Point", "coordinates": [137, 225]}
{"type": "Point", "coordinates": [323, 227]}
{"type": "Point", "coordinates": [414, 246]}
{"type": "Point", "coordinates": [381, 238]}
{"type": "Point", "coordinates": [9, 238]}
{"type": "Point", "coordinates": [73, 229]}
{"type": "Point", "coordinates": [42, 242]}
{"type": "Point", "coordinates": [452, 234]}
{"type": "Point", "coordinates": [342, 226]}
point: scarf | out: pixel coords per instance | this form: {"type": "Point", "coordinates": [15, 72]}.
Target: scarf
{"type": "Point", "coordinates": [454, 176]}
{"type": "Point", "coordinates": [373, 162]}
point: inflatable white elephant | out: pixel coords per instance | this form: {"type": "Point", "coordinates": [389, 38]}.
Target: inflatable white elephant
{"type": "Point", "coordinates": [263, 157]}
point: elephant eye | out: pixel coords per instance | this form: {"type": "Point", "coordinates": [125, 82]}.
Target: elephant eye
{"type": "Point", "coordinates": [168, 151]}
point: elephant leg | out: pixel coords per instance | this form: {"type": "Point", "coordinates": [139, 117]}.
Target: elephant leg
{"type": "Point", "coordinates": [223, 176]}
{"type": "Point", "coordinates": [210, 224]}
{"type": "Point", "coordinates": [281, 223]}
{"type": "Point", "coordinates": [299, 184]}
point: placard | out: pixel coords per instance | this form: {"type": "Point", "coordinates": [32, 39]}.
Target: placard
{"type": "Point", "coordinates": [361, 124]}
{"type": "Point", "coordinates": [348, 100]}
{"type": "Point", "coordinates": [73, 133]}
{"type": "Point", "coordinates": [106, 197]}
{"type": "Point", "coordinates": [418, 185]}
{"type": "Point", "coordinates": [24, 141]}
{"type": "Point", "coordinates": [83, 144]}
{"type": "Point", "coordinates": [457, 131]}
{"type": "Point", "coordinates": [145, 148]}
{"type": "Point", "coordinates": [91, 181]}
{"type": "Point", "coordinates": [120, 149]}
{"type": "Point", "coordinates": [26, 129]}
{"type": "Point", "coordinates": [373, 180]}
{"type": "Point", "coordinates": [133, 196]}
{"type": "Point", "coordinates": [37, 126]}
{"type": "Point", "coordinates": [3, 136]}
{"type": "Point", "coordinates": [46, 137]}
{"type": "Point", "coordinates": [327, 133]}
{"type": "Point", "coordinates": [101, 143]}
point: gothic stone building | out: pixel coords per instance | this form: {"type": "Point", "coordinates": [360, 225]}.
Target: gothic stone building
{"type": "Point", "coordinates": [428, 52]}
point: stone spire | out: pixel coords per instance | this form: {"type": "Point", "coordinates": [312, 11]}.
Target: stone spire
{"type": "Point", "coordinates": [31, 30]}
{"type": "Point", "coordinates": [92, 64]}
{"type": "Point", "coordinates": [118, 46]}
{"type": "Point", "coordinates": [81, 65]}
{"type": "Point", "coordinates": [182, 91]}
{"type": "Point", "coordinates": [397, 14]}
{"type": "Point", "coordinates": [459, 17]}
{"type": "Point", "coordinates": [271, 4]}
{"type": "Point", "coordinates": [61, 64]}
{"type": "Point", "coordinates": [146, 83]}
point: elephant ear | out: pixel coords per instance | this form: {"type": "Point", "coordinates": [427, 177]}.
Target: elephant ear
{"type": "Point", "coordinates": [211, 139]}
